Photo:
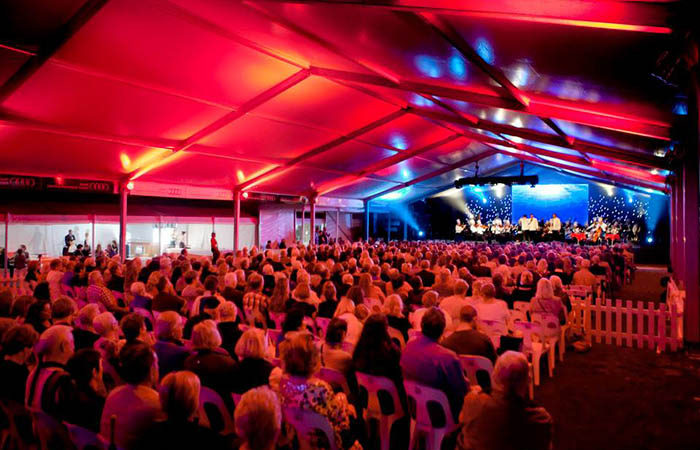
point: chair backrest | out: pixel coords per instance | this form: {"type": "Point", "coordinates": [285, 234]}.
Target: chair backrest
{"type": "Point", "coordinates": [84, 439]}
{"type": "Point", "coordinates": [494, 329]}
{"type": "Point", "coordinates": [118, 295]}
{"type": "Point", "coordinates": [517, 315]}
{"type": "Point", "coordinates": [472, 364]}
{"type": "Point", "coordinates": [322, 323]}
{"type": "Point", "coordinates": [213, 412]}
{"type": "Point", "coordinates": [549, 323]}
{"type": "Point", "coordinates": [335, 378]}
{"type": "Point", "coordinates": [532, 332]}
{"type": "Point", "coordinates": [379, 396]}
{"type": "Point", "coordinates": [522, 306]}
{"type": "Point", "coordinates": [308, 424]}
{"type": "Point", "coordinates": [146, 315]}
{"type": "Point", "coordinates": [429, 407]}
{"type": "Point", "coordinates": [396, 335]}
{"type": "Point", "coordinates": [278, 318]}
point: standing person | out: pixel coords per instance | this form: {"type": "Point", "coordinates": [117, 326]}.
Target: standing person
{"type": "Point", "coordinates": [214, 249]}
{"type": "Point", "coordinates": [69, 239]}
{"type": "Point", "coordinates": [555, 227]}
{"type": "Point", "coordinates": [522, 223]}
{"type": "Point", "coordinates": [20, 263]}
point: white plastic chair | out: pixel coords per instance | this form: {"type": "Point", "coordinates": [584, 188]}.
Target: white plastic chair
{"type": "Point", "coordinates": [306, 423]}
{"type": "Point", "coordinates": [335, 378]}
{"type": "Point", "coordinates": [494, 330]}
{"type": "Point", "coordinates": [322, 323]}
{"type": "Point", "coordinates": [471, 364]}
{"type": "Point", "coordinates": [435, 427]}
{"type": "Point", "coordinates": [278, 318]}
{"type": "Point", "coordinates": [396, 334]}
{"type": "Point", "coordinates": [522, 306]}
{"type": "Point", "coordinates": [209, 396]}
{"type": "Point", "coordinates": [534, 345]}
{"type": "Point", "coordinates": [386, 414]}
{"type": "Point", "coordinates": [551, 331]}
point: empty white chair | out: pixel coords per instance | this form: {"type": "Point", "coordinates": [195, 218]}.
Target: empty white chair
{"type": "Point", "coordinates": [386, 413]}
{"type": "Point", "coordinates": [307, 423]}
{"type": "Point", "coordinates": [211, 404]}
{"type": "Point", "coordinates": [433, 426]}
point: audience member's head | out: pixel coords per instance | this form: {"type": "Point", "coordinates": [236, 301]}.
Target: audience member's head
{"type": "Point", "coordinates": [336, 331]}
{"type": "Point", "coordinates": [133, 326]}
{"type": "Point", "coordinates": [258, 418]}
{"type": "Point", "coordinates": [169, 326]}
{"type": "Point", "coordinates": [55, 345]}
{"type": "Point", "coordinates": [300, 356]}
{"type": "Point", "coordinates": [106, 325]}
{"type": "Point", "coordinates": [18, 343]}
{"type": "Point", "coordinates": [85, 366]}
{"type": "Point", "coordinates": [467, 315]}
{"type": "Point", "coordinates": [511, 374]}
{"type": "Point", "coordinates": [433, 324]}
{"type": "Point", "coordinates": [205, 335]}
{"type": "Point", "coordinates": [179, 395]}
{"type": "Point", "coordinates": [137, 364]}
{"type": "Point", "coordinates": [62, 310]}
{"type": "Point", "coordinates": [251, 344]}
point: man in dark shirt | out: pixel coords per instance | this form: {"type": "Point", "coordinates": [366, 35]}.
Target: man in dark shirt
{"type": "Point", "coordinates": [467, 340]}
{"type": "Point", "coordinates": [165, 300]}
{"type": "Point", "coordinates": [425, 274]}
{"type": "Point", "coordinates": [17, 345]}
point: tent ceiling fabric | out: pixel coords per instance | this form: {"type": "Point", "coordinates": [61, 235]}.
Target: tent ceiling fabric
{"type": "Point", "coordinates": [350, 100]}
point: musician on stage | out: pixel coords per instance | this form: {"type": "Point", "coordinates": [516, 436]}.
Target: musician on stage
{"type": "Point", "coordinates": [69, 239]}
{"type": "Point", "coordinates": [459, 229]}
{"type": "Point", "coordinates": [522, 225]}
{"type": "Point", "coordinates": [532, 227]}
{"type": "Point", "coordinates": [555, 227]}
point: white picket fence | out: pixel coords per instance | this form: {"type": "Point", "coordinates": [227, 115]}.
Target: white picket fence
{"type": "Point", "coordinates": [625, 323]}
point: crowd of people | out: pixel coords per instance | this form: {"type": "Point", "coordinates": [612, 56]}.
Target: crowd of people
{"type": "Point", "coordinates": [128, 349]}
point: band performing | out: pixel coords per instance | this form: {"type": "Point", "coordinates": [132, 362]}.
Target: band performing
{"type": "Point", "coordinates": [533, 230]}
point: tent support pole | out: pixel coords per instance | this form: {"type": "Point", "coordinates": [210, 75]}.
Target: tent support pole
{"type": "Point", "coordinates": [236, 219]}
{"type": "Point", "coordinates": [123, 196]}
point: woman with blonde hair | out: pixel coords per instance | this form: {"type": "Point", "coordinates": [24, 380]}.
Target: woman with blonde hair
{"type": "Point", "coordinates": [179, 400]}
{"type": "Point", "coordinates": [258, 419]}
{"type": "Point", "coordinates": [346, 311]}
{"type": "Point", "coordinates": [393, 310]}
{"type": "Point", "coordinates": [280, 294]}
{"type": "Point", "coordinates": [544, 302]}
{"type": "Point", "coordinates": [373, 295]}
{"type": "Point", "coordinates": [253, 369]}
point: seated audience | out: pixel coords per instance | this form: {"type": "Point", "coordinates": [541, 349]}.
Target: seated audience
{"type": "Point", "coordinates": [178, 396]}
{"type": "Point", "coordinates": [253, 369]}
{"type": "Point", "coordinates": [165, 299]}
{"type": "Point", "coordinates": [505, 418]}
{"type": "Point", "coordinates": [544, 302]}
{"type": "Point", "coordinates": [169, 347]}
{"type": "Point", "coordinates": [583, 276]}
{"type": "Point", "coordinates": [49, 386]}
{"type": "Point", "coordinates": [430, 301]}
{"type": "Point", "coordinates": [17, 346]}
{"type": "Point", "coordinates": [329, 300]}
{"type": "Point", "coordinates": [228, 327]}
{"type": "Point", "coordinates": [466, 339]}
{"type": "Point", "coordinates": [299, 388]}
{"type": "Point", "coordinates": [140, 298]}
{"type": "Point", "coordinates": [89, 392]}
{"type": "Point", "coordinates": [332, 354]}
{"type": "Point", "coordinates": [393, 309]}
{"type": "Point", "coordinates": [258, 419]}
{"type": "Point", "coordinates": [134, 405]}
{"type": "Point", "coordinates": [453, 304]}
{"type": "Point", "coordinates": [210, 362]}
{"type": "Point", "coordinates": [490, 308]}
{"type": "Point", "coordinates": [84, 334]}
{"type": "Point", "coordinates": [427, 362]}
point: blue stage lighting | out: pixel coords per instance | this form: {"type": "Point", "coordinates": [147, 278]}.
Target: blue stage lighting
{"type": "Point", "coordinates": [420, 233]}
{"type": "Point", "coordinates": [650, 239]}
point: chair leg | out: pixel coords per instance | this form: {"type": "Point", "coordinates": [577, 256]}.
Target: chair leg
{"type": "Point", "coordinates": [551, 359]}
{"type": "Point", "coordinates": [385, 432]}
{"type": "Point", "coordinates": [536, 368]}
{"type": "Point", "coordinates": [412, 438]}
{"type": "Point", "coordinates": [434, 440]}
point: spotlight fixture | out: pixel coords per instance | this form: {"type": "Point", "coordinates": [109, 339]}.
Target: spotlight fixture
{"type": "Point", "coordinates": [532, 180]}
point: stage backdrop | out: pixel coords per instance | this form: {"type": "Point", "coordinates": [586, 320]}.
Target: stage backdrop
{"type": "Point", "coordinates": [568, 201]}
